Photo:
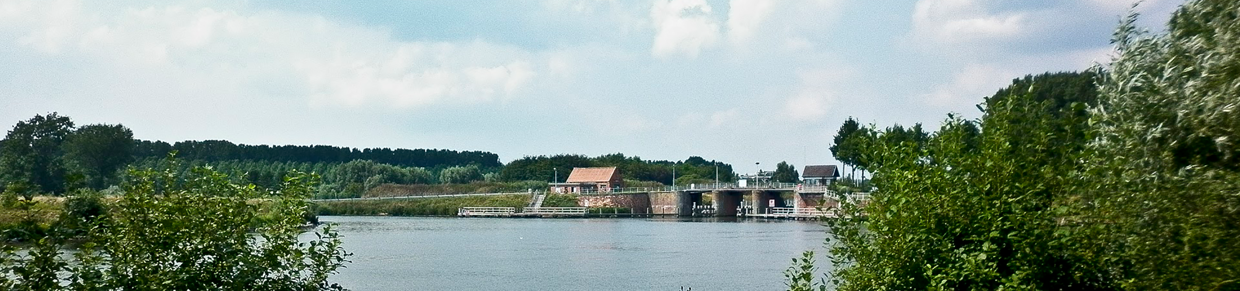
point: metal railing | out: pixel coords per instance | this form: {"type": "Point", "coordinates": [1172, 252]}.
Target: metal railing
{"type": "Point", "coordinates": [538, 200]}
{"type": "Point", "coordinates": [859, 197]}
{"type": "Point", "coordinates": [709, 186]}
{"type": "Point", "coordinates": [485, 211]}
{"type": "Point", "coordinates": [797, 211]}
{"type": "Point", "coordinates": [555, 210]}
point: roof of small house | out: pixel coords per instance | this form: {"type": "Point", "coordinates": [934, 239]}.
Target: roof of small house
{"type": "Point", "coordinates": [589, 175]}
{"type": "Point", "coordinates": [820, 171]}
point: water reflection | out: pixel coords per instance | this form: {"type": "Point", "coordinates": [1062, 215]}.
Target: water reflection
{"type": "Point", "coordinates": [423, 253]}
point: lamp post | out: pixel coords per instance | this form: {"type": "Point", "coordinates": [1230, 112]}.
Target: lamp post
{"type": "Point", "coordinates": [557, 175]}
{"type": "Point", "coordinates": [716, 174]}
{"type": "Point", "coordinates": [673, 176]}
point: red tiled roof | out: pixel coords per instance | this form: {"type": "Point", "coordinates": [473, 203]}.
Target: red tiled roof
{"type": "Point", "coordinates": [580, 175]}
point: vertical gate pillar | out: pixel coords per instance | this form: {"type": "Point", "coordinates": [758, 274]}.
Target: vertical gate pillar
{"type": "Point", "coordinates": [725, 203]}
{"type": "Point", "coordinates": [684, 204]}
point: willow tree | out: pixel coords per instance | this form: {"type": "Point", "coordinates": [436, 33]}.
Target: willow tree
{"type": "Point", "coordinates": [1165, 168]}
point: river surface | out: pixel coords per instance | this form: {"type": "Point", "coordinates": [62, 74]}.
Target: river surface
{"type": "Point", "coordinates": [439, 253]}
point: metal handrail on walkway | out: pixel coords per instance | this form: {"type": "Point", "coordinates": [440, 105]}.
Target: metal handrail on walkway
{"type": "Point", "coordinates": [554, 210]}
{"type": "Point", "coordinates": [797, 211]}
{"type": "Point", "coordinates": [486, 211]}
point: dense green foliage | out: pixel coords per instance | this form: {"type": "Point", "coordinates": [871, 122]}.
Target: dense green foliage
{"type": "Point", "coordinates": [354, 178]}
{"type": "Point", "coordinates": [952, 217]}
{"type": "Point", "coordinates": [174, 232]}
{"type": "Point", "coordinates": [397, 190]}
{"type": "Point", "coordinates": [460, 175]}
{"type": "Point", "coordinates": [263, 174]}
{"type": "Point", "coordinates": [785, 173]}
{"type": "Point", "coordinates": [542, 168]}
{"type": "Point", "coordinates": [1164, 170]}
{"type": "Point", "coordinates": [853, 140]}
{"type": "Point", "coordinates": [31, 160]}
{"type": "Point", "coordinates": [218, 150]}
{"type": "Point", "coordinates": [98, 151]}
{"type": "Point", "coordinates": [1129, 185]}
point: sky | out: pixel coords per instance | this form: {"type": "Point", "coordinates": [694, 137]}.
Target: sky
{"type": "Point", "coordinates": [741, 81]}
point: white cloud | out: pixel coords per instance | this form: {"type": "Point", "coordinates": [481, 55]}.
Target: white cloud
{"type": "Point", "coordinates": [745, 17]}
{"type": "Point", "coordinates": [751, 26]}
{"type": "Point", "coordinates": [953, 22]}
{"type": "Point", "coordinates": [722, 118]}
{"type": "Point", "coordinates": [817, 93]}
{"type": "Point", "coordinates": [682, 27]}
{"type": "Point", "coordinates": [333, 63]}
{"type": "Point", "coordinates": [972, 83]}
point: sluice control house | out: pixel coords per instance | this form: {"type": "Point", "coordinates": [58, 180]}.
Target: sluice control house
{"type": "Point", "coordinates": [820, 175]}
{"type": "Point", "coordinates": [590, 180]}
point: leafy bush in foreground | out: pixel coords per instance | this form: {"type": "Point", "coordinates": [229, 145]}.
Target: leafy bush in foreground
{"type": "Point", "coordinates": [1143, 196]}
{"type": "Point", "coordinates": [205, 233]}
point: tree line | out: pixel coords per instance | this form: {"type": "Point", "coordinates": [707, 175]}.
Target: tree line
{"type": "Point", "coordinates": [48, 154]}
{"type": "Point", "coordinates": [694, 169]}
{"type": "Point", "coordinates": [220, 150]}
{"type": "Point", "coordinates": [1122, 177]}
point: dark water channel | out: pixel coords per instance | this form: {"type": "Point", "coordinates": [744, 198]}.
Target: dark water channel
{"type": "Point", "coordinates": [427, 253]}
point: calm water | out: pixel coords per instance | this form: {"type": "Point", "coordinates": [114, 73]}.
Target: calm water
{"type": "Point", "coordinates": [425, 253]}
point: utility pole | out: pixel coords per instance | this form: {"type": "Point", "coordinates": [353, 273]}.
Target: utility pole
{"type": "Point", "coordinates": [673, 176]}
{"type": "Point", "coordinates": [757, 176]}
{"type": "Point", "coordinates": [716, 174]}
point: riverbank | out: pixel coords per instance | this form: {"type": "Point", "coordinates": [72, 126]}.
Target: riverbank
{"type": "Point", "coordinates": [417, 207]}
{"type": "Point", "coordinates": [445, 206]}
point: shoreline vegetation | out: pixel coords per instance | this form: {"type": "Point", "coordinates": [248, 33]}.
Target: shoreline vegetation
{"type": "Point", "coordinates": [446, 206]}
{"type": "Point", "coordinates": [1121, 177]}
{"type": "Point", "coordinates": [163, 230]}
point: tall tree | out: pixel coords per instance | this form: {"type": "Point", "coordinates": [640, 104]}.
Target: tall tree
{"type": "Point", "coordinates": [843, 150]}
{"type": "Point", "coordinates": [31, 157]}
{"type": "Point", "coordinates": [99, 150]}
{"type": "Point", "coordinates": [785, 173]}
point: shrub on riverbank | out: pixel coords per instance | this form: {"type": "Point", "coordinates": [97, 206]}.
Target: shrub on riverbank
{"type": "Point", "coordinates": [1136, 193]}
{"type": "Point", "coordinates": [202, 233]}
{"type": "Point", "coordinates": [26, 220]}
{"type": "Point", "coordinates": [422, 206]}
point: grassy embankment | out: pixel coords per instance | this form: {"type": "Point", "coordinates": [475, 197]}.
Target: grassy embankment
{"type": "Point", "coordinates": [35, 220]}
{"type": "Point", "coordinates": [434, 206]}
{"type": "Point", "coordinates": [398, 190]}
{"type": "Point", "coordinates": [24, 221]}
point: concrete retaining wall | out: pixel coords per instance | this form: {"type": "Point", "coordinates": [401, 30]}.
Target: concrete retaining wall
{"type": "Point", "coordinates": [639, 203]}
{"type": "Point", "coordinates": [667, 203]}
